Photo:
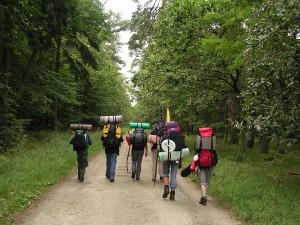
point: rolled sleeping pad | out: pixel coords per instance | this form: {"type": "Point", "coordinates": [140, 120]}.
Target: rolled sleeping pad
{"type": "Point", "coordinates": [206, 142]}
{"type": "Point", "coordinates": [154, 139]}
{"type": "Point", "coordinates": [111, 119]}
{"type": "Point", "coordinates": [186, 171]}
{"type": "Point", "coordinates": [81, 126]}
{"type": "Point", "coordinates": [139, 125]}
{"type": "Point", "coordinates": [175, 155]}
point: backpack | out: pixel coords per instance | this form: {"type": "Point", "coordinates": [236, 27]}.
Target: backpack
{"type": "Point", "coordinates": [154, 137]}
{"type": "Point", "coordinates": [138, 138]}
{"type": "Point", "coordinates": [205, 146]}
{"type": "Point", "coordinates": [79, 139]}
{"type": "Point", "coordinates": [111, 135]}
{"type": "Point", "coordinates": [172, 126]}
{"type": "Point", "coordinates": [172, 130]}
{"type": "Point", "coordinates": [178, 139]}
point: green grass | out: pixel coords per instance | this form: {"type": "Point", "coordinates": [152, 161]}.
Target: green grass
{"type": "Point", "coordinates": [27, 173]}
{"type": "Point", "coordinates": [253, 188]}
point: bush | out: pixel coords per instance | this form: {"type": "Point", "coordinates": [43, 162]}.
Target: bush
{"type": "Point", "coordinates": [11, 133]}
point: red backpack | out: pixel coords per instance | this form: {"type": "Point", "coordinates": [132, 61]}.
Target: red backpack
{"type": "Point", "coordinates": [205, 145]}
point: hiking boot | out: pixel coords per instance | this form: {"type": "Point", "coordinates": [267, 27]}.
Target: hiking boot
{"type": "Point", "coordinates": [133, 175]}
{"type": "Point", "coordinates": [81, 177]}
{"type": "Point", "coordinates": [161, 178]}
{"type": "Point", "coordinates": [112, 179]}
{"type": "Point", "coordinates": [203, 201]}
{"type": "Point", "coordinates": [166, 192]}
{"type": "Point", "coordinates": [107, 176]}
{"type": "Point", "coordinates": [137, 178]}
{"type": "Point", "coordinates": [172, 195]}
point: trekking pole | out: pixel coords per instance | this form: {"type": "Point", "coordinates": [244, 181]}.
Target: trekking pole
{"type": "Point", "coordinates": [127, 158]}
{"type": "Point", "coordinates": [156, 161]}
{"type": "Point", "coordinates": [128, 154]}
{"type": "Point", "coordinates": [155, 173]}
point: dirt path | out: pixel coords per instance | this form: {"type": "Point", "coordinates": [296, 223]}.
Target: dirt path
{"type": "Point", "coordinates": [97, 201]}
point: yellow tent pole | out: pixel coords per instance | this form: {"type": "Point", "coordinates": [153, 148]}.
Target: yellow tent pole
{"type": "Point", "coordinates": [168, 115]}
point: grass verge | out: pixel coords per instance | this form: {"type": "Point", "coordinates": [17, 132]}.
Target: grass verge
{"type": "Point", "coordinates": [26, 174]}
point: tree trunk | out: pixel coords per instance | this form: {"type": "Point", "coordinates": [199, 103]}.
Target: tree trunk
{"type": "Point", "coordinates": [57, 68]}
{"type": "Point", "coordinates": [6, 60]}
{"type": "Point", "coordinates": [243, 141]}
{"type": "Point", "coordinates": [226, 125]}
{"type": "Point", "coordinates": [187, 128]}
{"type": "Point", "coordinates": [265, 145]}
{"type": "Point", "coordinates": [250, 139]}
{"type": "Point", "coordinates": [234, 106]}
{"type": "Point", "coordinates": [281, 147]}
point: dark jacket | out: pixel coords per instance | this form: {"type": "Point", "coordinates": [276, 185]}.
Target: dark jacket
{"type": "Point", "coordinates": [87, 138]}
{"type": "Point", "coordinates": [113, 150]}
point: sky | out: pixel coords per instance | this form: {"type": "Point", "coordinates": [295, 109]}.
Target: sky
{"type": "Point", "coordinates": [124, 8]}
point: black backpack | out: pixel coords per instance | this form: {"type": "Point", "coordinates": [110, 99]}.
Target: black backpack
{"type": "Point", "coordinates": [110, 139]}
{"type": "Point", "coordinates": [79, 140]}
{"type": "Point", "coordinates": [178, 140]}
{"type": "Point", "coordinates": [138, 138]}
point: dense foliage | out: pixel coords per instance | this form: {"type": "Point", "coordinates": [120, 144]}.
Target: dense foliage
{"type": "Point", "coordinates": [224, 63]}
{"type": "Point", "coordinates": [58, 65]}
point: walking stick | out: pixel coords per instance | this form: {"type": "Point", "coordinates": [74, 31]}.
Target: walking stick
{"type": "Point", "coordinates": [155, 174]}
{"type": "Point", "coordinates": [127, 158]}
{"type": "Point", "coordinates": [129, 144]}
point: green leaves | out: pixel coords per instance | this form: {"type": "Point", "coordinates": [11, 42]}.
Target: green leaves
{"type": "Point", "coordinates": [59, 64]}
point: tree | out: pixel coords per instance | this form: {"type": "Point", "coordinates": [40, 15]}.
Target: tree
{"type": "Point", "coordinates": [273, 83]}
{"type": "Point", "coordinates": [55, 57]}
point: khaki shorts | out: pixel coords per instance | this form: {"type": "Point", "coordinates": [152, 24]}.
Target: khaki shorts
{"type": "Point", "coordinates": [205, 175]}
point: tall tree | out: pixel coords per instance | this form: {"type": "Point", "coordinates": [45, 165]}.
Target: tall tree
{"type": "Point", "coordinates": [273, 84]}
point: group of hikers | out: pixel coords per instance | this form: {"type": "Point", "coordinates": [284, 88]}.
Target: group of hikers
{"type": "Point", "coordinates": [168, 148]}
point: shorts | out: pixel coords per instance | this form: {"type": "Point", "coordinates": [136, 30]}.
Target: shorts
{"type": "Point", "coordinates": [205, 175]}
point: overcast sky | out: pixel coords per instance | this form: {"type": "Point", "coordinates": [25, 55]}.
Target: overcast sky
{"type": "Point", "coordinates": [124, 8]}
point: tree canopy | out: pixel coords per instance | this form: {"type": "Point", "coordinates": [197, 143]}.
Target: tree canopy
{"type": "Point", "coordinates": [223, 63]}
{"type": "Point", "coordinates": [59, 65]}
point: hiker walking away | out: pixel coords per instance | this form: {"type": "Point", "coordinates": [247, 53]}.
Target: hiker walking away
{"type": "Point", "coordinates": [138, 140]}
{"type": "Point", "coordinates": [170, 168]}
{"type": "Point", "coordinates": [80, 141]}
{"type": "Point", "coordinates": [205, 159]}
{"type": "Point", "coordinates": [204, 176]}
{"type": "Point", "coordinates": [112, 139]}
{"type": "Point", "coordinates": [157, 131]}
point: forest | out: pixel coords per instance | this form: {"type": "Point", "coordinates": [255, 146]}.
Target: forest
{"type": "Point", "coordinates": [229, 64]}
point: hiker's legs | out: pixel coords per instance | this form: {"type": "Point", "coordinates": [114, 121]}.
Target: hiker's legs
{"type": "Point", "coordinates": [139, 163]}
{"type": "Point", "coordinates": [160, 164]}
{"type": "Point", "coordinates": [85, 158]}
{"type": "Point", "coordinates": [108, 163]}
{"type": "Point", "coordinates": [166, 172]}
{"type": "Point", "coordinates": [153, 156]}
{"type": "Point", "coordinates": [134, 158]}
{"type": "Point", "coordinates": [173, 177]}
{"type": "Point", "coordinates": [204, 176]}
{"type": "Point", "coordinates": [82, 162]}
{"type": "Point", "coordinates": [113, 162]}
